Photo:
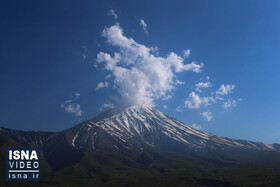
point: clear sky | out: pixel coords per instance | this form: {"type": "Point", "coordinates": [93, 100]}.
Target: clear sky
{"type": "Point", "coordinates": [211, 64]}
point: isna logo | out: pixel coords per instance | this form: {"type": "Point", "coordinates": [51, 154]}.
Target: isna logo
{"type": "Point", "coordinates": [23, 164]}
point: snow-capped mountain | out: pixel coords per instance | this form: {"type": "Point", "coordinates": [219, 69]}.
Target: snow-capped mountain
{"type": "Point", "coordinates": [137, 139]}
{"type": "Point", "coordinates": [129, 129]}
{"type": "Point", "coordinates": [136, 127]}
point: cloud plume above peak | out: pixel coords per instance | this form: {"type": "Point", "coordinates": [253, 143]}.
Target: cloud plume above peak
{"type": "Point", "coordinates": [139, 76]}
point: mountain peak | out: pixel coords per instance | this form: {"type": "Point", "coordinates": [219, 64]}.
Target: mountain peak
{"type": "Point", "coordinates": [151, 127]}
{"type": "Point", "coordinates": [124, 109]}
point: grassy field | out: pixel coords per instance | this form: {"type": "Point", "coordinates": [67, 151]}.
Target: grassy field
{"type": "Point", "coordinates": [157, 170]}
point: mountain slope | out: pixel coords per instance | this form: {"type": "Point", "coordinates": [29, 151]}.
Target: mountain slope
{"type": "Point", "coordinates": [24, 138]}
{"type": "Point", "coordinates": [137, 146]}
{"type": "Point", "coordinates": [132, 130]}
{"type": "Point", "coordinates": [133, 127]}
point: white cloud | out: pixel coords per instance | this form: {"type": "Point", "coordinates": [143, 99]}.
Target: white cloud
{"type": "Point", "coordinates": [102, 85]}
{"type": "Point", "coordinates": [74, 108]}
{"type": "Point", "coordinates": [106, 106]}
{"type": "Point", "coordinates": [195, 126]}
{"type": "Point", "coordinates": [68, 101]}
{"type": "Point", "coordinates": [194, 101]}
{"type": "Point", "coordinates": [71, 106]}
{"type": "Point", "coordinates": [144, 26]}
{"type": "Point", "coordinates": [207, 115]}
{"type": "Point", "coordinates": [179, 109]}
{"type": "Point", "coordinates": [225, 89]}
{"type": "Point", "coordinates": [77, 95]}
{"type": "Point", "coordinates": [166, 97]}
{"type": "Point", "coordinates": [202, 85]}
{"type": "Point", "coordinates": [186, 53]}
{"type": "Point", "coordinates": [229, 104]}
{"type": "Point", "coordinates": [177, 82]}
{"type": "Point", "coordinates": [155, 50]}
{"type": "Point", "coordinates": [164, 106]}
{"type": "Point", "coordinates": [108, 76]}
{"type": "Point", "coordinates": [84, 52]}
{"type": "Point", "coordinates": [219, 98]}
{"type": "Point", "coordinates": [112, 13]}
{"type": "Point", "coordinates": [139, 76]}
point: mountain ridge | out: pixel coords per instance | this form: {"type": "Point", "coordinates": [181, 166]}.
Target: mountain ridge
{"type": "Point", "coordinates": [125, 124]}
{"type": "Point", "coordinates": [137, 146]}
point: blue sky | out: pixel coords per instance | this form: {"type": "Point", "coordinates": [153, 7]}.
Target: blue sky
{"type": "Point", "coordinates": [50, 69]}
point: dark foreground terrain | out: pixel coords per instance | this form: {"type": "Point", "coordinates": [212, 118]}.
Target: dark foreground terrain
{"type": "Point", "coordinates": [158, 169]}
